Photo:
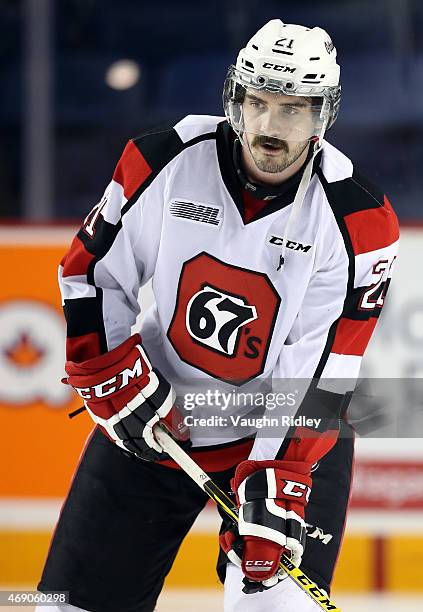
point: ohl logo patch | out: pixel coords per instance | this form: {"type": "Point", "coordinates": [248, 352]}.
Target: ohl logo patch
{"type": "Point", "coordinates": [223, 319]}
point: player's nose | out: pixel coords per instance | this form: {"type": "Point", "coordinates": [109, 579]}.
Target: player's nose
{"type": "Point", "coordinates": [272, 126]}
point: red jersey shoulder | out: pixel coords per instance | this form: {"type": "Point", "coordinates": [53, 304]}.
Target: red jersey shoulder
{"type": "Point", "coordinates": [145, 156]}
{"type": "Point", "coordinates": [132, 170]}
{"type": "Point", "coordinates": [372, 224]}
{"type": "Point", "coordinates": [364, 210]}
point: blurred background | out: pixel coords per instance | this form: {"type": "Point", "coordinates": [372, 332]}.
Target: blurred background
{"type": "Point", "coordinates": [80, 77]}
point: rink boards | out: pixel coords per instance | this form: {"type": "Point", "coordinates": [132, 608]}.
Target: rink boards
{"type": "Point", "coordinates": [40, 446]}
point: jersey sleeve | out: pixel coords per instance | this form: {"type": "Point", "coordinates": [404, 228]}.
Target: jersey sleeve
{"type": "Point", "coordinates": [337, 318]}
{"type": "Point", "coordinates": [112, 255]}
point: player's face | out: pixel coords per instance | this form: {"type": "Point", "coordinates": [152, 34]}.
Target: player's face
{"type": "Point", "coordinates": [277, 128]}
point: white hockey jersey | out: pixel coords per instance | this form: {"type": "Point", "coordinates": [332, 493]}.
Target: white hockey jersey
{"type": "Point", "coordinates": [225, 308]}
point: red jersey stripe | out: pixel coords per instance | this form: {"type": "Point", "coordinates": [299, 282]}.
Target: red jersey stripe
{"type": "Point", "coordinates": [352, 337]}
{"type": "Point", "coordinates": [310, 445]}
{"type": "Point", "coordinates": [84, 347]}
{"type": "Point", "coordinates": [77, 260]}
{"type": "Point", "coordinates": [372, 229]}
{"type": "Point", "coordinates": [132, 170]}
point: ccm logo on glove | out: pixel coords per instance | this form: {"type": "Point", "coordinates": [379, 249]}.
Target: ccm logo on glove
{"type": "Point", "coordinates": [258, 566]}
{"type": "Point", "coordinates": [113, 384]}
{"type": "Point", "coordinates": [296, 489]}
{"type": "Point", "coordinates": [127, 397]}
{"type": "Point", "coordinates": [271, 496]}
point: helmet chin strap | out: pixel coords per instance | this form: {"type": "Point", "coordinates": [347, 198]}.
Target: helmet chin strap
{"type": "Point", "coordinates": [300, 195]}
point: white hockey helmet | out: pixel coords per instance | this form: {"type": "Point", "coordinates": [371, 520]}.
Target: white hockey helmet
{"type": "Point", "coordinates": [291, 60]}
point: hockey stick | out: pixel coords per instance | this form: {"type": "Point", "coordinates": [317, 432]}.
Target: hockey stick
{"type": "Point", "coordinates": [223, 501]}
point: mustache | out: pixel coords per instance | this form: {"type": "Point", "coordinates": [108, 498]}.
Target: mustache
{"type": "Point", "coordinates": [270, 140]}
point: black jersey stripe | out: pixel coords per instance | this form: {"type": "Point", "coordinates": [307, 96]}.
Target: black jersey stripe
{"type": "Point", "coordinates": [105, 235]}
{"type": "Point", "coordinates": [352, 308]}
{"type": "Point", "coordinates": [338, 207]}
{"type": "Point", "coordinates": [353, 194]}
{"type": "Point", "coordinates": [85, 316]}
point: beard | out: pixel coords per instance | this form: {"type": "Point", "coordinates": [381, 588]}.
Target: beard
{"type": "Point", "coordinates": [288, 153]}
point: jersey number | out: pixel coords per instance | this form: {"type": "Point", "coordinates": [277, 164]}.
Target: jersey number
{"type": "Point", "coordinates": [93, 216]}
{"type": "Point", "coordinates": [374, 296]}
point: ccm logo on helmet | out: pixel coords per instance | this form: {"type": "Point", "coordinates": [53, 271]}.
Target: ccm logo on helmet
{"type": "Point", "coordinates": [279, 68]}
{"type": "Point", "coordinates": [296, 489]}
{"type": "Point", "coordinates": [113, 384]}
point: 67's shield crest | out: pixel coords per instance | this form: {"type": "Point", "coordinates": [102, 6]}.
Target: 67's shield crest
{"type": "Point", "coordinates": [223, 319]}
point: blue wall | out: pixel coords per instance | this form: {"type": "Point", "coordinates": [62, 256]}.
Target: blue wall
{"type": "Point", "coordinates": [184, 48]}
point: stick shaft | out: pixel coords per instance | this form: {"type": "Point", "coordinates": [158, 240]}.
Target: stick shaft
{"type": "Point", "coordinates": [221, 499]}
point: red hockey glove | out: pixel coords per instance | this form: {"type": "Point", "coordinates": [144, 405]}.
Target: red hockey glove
{"type": "Point", "coordinates": [271, 496]}
{"type": "Point", "coordinates": [127, 397]}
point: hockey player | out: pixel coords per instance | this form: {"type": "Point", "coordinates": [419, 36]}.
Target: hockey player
{"type": "Point", "coordinates": [270, 258]}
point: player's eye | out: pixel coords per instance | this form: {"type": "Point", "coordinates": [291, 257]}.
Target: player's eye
{"type": "Point", "coordinates": [256, 104]}
{"type": "Point", "coordinates": [291, 110]}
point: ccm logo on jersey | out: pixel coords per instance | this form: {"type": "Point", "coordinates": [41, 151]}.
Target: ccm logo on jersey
{"type": "Point", "coordinates": [296, 489]}
{"type": "Point", "coordinates": [279, 68]}
{"type": "Point", "coordinates": [113, 384]}
{"type": "Point", "coordinates": [290, 244]}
